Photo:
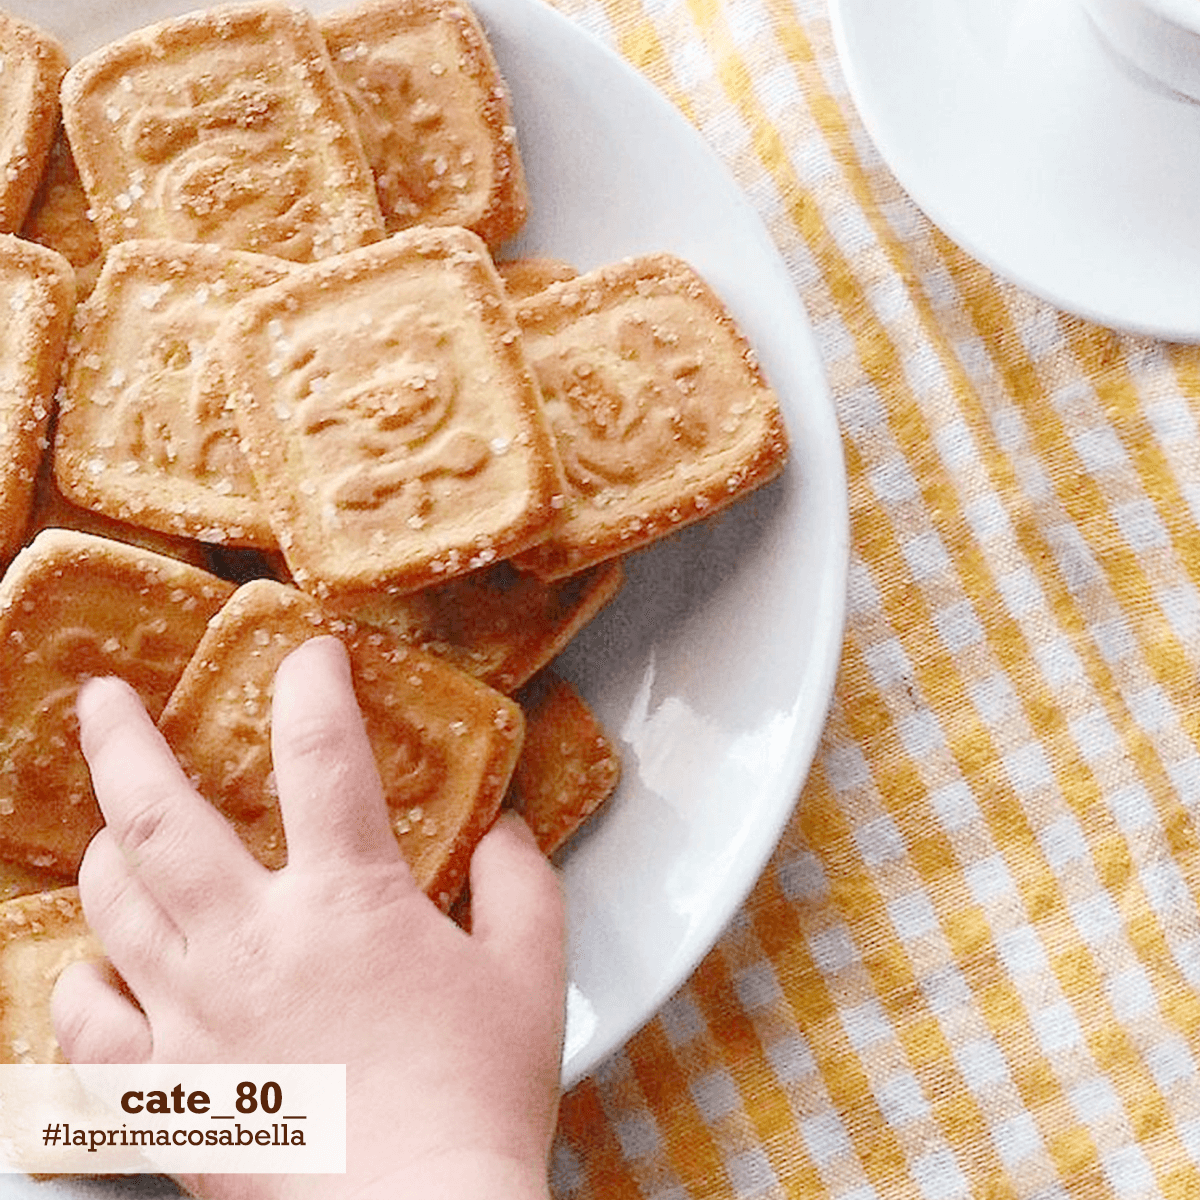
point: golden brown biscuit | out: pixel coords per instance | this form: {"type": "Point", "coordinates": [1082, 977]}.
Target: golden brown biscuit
{"type": "Point", "coordinates": [496, 624]}
{"type": "Point", "coordinates": [226, 125]}
{"type": "Point", "coordinates": [568, 766]}
{"type": "Point", "coordinates": [389, 416]}
{"type": "Point", "coordinates": [17, 879]}
{"type": "Point", "coordinates": [74, 606]}
{"type": "Point", "coordinates": [32, 64]}
{"type": "Point", "coordinates": [433, 115]}
{"type": "Point", "coordinates": [52, 511]}
{"type": "Point", "coordinates": [144, 431]}
{"type": "Point", "coordinates": [659, 408]}
{"type": "Point", "coordinates": [59, 220]}
{"type": "Point", "coordinates": [37, 291]}
{"type": "Point", "coordinates": [445, 744]}
{"type": "Point", "coordinates": [41, 934]}
{"type": "Point", "coordinates": [525, 277]}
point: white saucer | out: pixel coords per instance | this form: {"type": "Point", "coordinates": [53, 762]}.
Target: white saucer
{"type": "Point", "coordinates": [1023, 136]}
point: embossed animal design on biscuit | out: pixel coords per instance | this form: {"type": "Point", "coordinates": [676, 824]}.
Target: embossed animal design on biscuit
{"type": "Point", "coordinates": [393, 421]}
{"type": "Point", "coordinates": [168, 421]}
{"type": "Point", "coordinates": [412, 770]}
{"type": "Point", "coordinates": [221, 158]}
{"type": "Point", "coordinates": [147, 658]}
{"type": "Point", "coordinates": [404, 136]}
{"type": "Point", "coordinates": [625, 409]}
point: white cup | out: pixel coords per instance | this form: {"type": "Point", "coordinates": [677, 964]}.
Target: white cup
{"type": "Point", "coordinates": [1159, 37]}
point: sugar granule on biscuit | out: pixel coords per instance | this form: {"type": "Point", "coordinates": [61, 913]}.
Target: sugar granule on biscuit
{"type": "Point", "coordinates": [32, 65]}
{"type": "Point", "coordinates": [660, 411]}
{"type": "Point", "coordinates": [433, 114]}
{"type": "Point", "coordinates": [37, 299]}
{"type": "Point", "coordinates": [73, 606]}
{"type": "Point", "coordinates": [145, 434]}
{"type": "Point", "coordinates": [389, 416]}
{"type": "Point", "coordinates": [225, 125]}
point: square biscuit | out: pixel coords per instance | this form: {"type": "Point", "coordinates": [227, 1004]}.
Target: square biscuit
{"type": "Point", "coordinates": [225, 125]}
{"type": "Point", "coordinates": [660, 411]}
{"type": "Point", "coordinates": [74, 606]}
{"type": "Point", "coordinates": [568, 766]}
{"type": "Point", "coordinates": [389, 416]}
{"type": "Point", "coordinates": [444, 743]}
{"type": "Point", "coordinates": [433, 114]}
{"type": "Point", "coordinates": [144, 432]}
{"type": "Point", "coordinates": [59, 219]}
{"type": "Point", "coordinates": [41, 934]}
{"type": "Point", "coordinates": [32, 65]}
{"type": "Point", "coordinates": [37, 297]}
{"type": "Point", "coordinates": [496, 624]}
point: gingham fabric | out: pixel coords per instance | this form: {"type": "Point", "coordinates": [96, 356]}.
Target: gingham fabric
{"type": "Point", "coordinates": [972, 967]}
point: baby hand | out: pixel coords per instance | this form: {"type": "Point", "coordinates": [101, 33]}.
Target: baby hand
{"type": "Point", "coordinates": [451, 1041]}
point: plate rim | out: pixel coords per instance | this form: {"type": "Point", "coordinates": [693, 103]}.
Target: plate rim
{"type": "Point", "coordinates": [960, 225]}
{"type": "Point", "coordinates": [804, 749]}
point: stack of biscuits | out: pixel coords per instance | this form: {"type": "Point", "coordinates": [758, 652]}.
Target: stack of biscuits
{"type": "Point", "coordinates": [268, 375]}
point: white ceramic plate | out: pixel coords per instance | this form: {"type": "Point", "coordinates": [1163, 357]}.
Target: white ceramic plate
{"type": "Point", "coordinates": [715, 666]}
{"type": "Point", "coordinates": [1024, 137]}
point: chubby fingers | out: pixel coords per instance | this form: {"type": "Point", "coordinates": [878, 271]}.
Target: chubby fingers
{"type": "Point", "coordinates": [95, 1020]}
{"type": "Point", "coordinates": [329, 789]}
{"type": "Point", "coordinates": [180, 849]}
{"type": "Point", "coordinates": [145, 943]}
{"type": "Point", "coordinates": [517, 903]}
{"type": "Point", "coordinates": [518, 918]}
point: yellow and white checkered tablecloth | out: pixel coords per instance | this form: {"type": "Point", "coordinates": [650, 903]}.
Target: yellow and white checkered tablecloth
{"type": "Point", "coordinates": [972, 967]}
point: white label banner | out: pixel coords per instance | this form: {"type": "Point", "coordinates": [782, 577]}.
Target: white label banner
{"type": "Point", "coordinates": [201, 1118]}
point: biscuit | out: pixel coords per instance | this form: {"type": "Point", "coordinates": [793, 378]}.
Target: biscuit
{"type": "Point", "coordinates": [445, 744]}
{"type": "Point", "coordinates": [74, 606]}
{"type": "Point", "coordinates": [389, 416]}
{"type": "Point", "coordinates": [568, 767]}
{"type": "Point", "coordinates": [433, 115]}
{"type": "Point", "coordinates": [525, 277]}
{"type": "Point", "coordinates": [17, 879]}
{"type": "Point", "coordinates": [41, 934]}
{"type": "Point", "coordinates": [496, 624]}
{"type": "Point", "coordinates": [659, 408]}
{"type": "Point", "coordinates": [225, 126]}
{"type": "Point", "coordinates": [58, 217]}
{"type": "Point", "coordinates": [37, 292]}
{"type": "Point", "coordinates": [32, 65]}
{"type": "Point", "coordinates": [144, 434]}
{"type": "Point", "coordinates": [52, 511]}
